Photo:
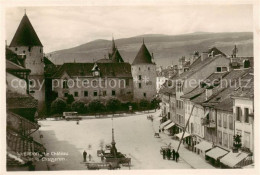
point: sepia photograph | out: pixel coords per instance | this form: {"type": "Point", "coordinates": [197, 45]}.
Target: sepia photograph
{"type": "Point", "coordinates": [129, 87]}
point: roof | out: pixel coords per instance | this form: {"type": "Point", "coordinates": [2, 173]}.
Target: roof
{"type": "Point", "coordinates": [167, 88]}
{"type": "Point", "coordinates": [247, 90]}
{"type": "Point", "coordinates": [220, 98]}
{"type": "Point", "coordinates": [216, 153]}
{"type": "Point", "coordinates": [25, 34]}
{"type": "Point", "coordinates": [143, 56]}
{"type": "Point", "coordinates": [116, 57]}
{"type": "Point", "coordinates": [232, 159]}
{"type": "Point", "coordinates": [199, 90]}
{"type": "Point", "coordinates": [15, 100]}
{"type": "Point", "coordinates": [85, 70]}
{"type": "Point", "coordinates": [215, 51]}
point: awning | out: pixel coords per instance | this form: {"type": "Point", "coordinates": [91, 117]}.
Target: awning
{"type": "Point", "coordinates": [158, 118]}
{"type": "Point", "coordinates": [170, 125]}
{"type": "Point", "coordinates": [216, 153]}
{"type": "Point", "coordinates": [180, 135]}
{"type": "Point", "coordinates": [165, 123]}
{"type": "Point", "coordinates": [204, 146]}
{"type": "Point", "coordinates": [232, 159]}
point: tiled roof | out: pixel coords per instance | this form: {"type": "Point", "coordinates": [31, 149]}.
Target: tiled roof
{"type": "Point", "coordinates": [198, 63]}
{"type": "Point", "coordinates": [85, 70]}
{"type": "Point", "coordinates": [199, 90]}
{"type": "Point", "coordinates": [25, 34]}
{"type": "Point", "coordinates": [15, 101]}
{"type": "Point", "coordinates": [143, 56]}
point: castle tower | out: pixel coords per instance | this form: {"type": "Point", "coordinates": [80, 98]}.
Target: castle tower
{"type": "Point", "coordinates": [27, 44]}
{"type": "Point", "coordinates": [115, 55]}
{"type": "Point", "coordinates": [144, 75]}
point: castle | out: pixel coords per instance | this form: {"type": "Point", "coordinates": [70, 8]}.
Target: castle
{"type": "Point", "coordinates": [46, 80]}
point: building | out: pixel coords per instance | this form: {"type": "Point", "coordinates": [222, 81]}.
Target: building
{"type": "Point", "coordinates": [204, 65]}
{"type": "Point", "coordinates": [144, 75]}
{"type": "Point", "coordinates": [90, 81]}
{"type": "Point", "coordinates": [21, 109]}
{"type": "Point", "coordinates": [29, 49]}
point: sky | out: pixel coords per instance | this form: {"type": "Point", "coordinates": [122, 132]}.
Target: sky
{"type": "Point", "coordinates": [65, 27]}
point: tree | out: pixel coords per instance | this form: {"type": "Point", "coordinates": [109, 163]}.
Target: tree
{"type": "Point", "coordinates": [144, 104]}
{"type": "Point", "coordinates": [70, 99]}
{"type": "Point", "coordinates": [96, 106]}
{"type": "Point", "coordinates": [78, 106]}
{"type": "Point", "coordinates": [155, 103]}
{"type": "Point", "coordinates": [237, 142]}
{"type": "Point", "coordinates": [113, 105]}
{"type": "Point", "coordinates": [58, 106]}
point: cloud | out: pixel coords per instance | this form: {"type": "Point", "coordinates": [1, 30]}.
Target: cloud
{"type": "Point", "coordinates": [65, 27]}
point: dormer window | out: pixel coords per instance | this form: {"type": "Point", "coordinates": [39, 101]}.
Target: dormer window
{"type": "Point", "coordinates": [96, 70]}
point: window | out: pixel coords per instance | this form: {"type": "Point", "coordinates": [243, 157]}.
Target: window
{"type": "Point", "coordinates": [247, 139]}
{"type": "Point", "coordinates": [95, 93]}
{"type": "Point", "coordinates": [225, 139]}
{"type": "Point", "coordinates": [85, 93]}
{"type": "Point", "coordinates": [140, 85]}
{"type": "Point", "coordinates": [65, 84]}
{"type": "Point", "coordinates": [139, 68]}
{"type": "Point", "coordinates": [140, 77]}
{"type": "Point", "coordinates": [218, 69]}
{"type": "Point", "coordinates": [238, 114]}
{"type": "Point", "coordinates": [246, 111]}
{"type": "Point", "coordinates": [76, 94]}
{"type": "Point", "coordinates": [113, 92]}
{"type": "Point", "coordinates": [246, 63]}
{"type": "Point", "coordinates": [230, 141]}
{"type": "Point", "coordinates": [29, 49]}
{"type": "Point", "coordinates": [231, 124]}
{"type": "Point", "coordinates": [127, 82]}
{"type": "Point", "coordinates": [224, 69]}
{"type": "Point", "coordinates": [220, 137]}
{"type": "Point", "coordinates": [148, 68]}
{"type": "Point", "coordinates": [219, 120]}
{"type": "Point", "coordinates": [40, 50]}
{"type": "Point", "coordinates": [144, 94]}
{"type": "Point", "coordinates": [225, 121]}
{"type": "Point", "coordinates": [104, 93]}
{"type": "Point", "coordinates": [16, 49]}
{"type": "Point", "coordinates": [66, 94]}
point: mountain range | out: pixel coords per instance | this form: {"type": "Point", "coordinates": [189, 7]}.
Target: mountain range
{"type": "Point", "coordinates": [167, 49]}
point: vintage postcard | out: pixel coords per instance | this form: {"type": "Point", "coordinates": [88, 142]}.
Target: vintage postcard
{"type": "Point", "coordinates": [129, 86]}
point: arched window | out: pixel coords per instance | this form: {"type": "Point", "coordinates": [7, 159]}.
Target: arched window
{"type": "Point", "coordinates": [65, 84]}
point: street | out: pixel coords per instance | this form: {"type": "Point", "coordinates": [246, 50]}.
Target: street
{"type": "Point", "coordinates": [134, 135]}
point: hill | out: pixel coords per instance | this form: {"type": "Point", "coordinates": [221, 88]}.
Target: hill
{"type": "Point", "coordinates": [166, 48]}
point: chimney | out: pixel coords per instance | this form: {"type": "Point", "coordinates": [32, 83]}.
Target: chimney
{"type": "Point", "coordinates": [204, 55]}
{"type": "Point", "coordinates": [208, 93]}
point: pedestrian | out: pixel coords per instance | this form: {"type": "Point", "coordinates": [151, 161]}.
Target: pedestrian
{"type": "Point", "coordinates": [173, 154]}
{"type": "Point", "coordinates": [169, 154]}
{"type": "Point", "coordinates": [177, 156]}
{"type": "Point", "coordinates": [84, 156]}
{"type": "Point", "coordinates": [159, 129]}
{"type": "Point", "coordinates": [164, 153]}
{"type": "Point", "coordinates": [89, 156]}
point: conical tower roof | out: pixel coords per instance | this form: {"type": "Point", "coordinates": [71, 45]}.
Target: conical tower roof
{"type": "Point", "coordinates": [143, 56]}
{"type": "Point", "coordinates": [116, 57]}
{"type": "Point", "coordinates": [25, 34]}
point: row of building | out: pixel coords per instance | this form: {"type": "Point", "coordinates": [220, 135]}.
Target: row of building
{"type": "Point", "coordinates": [211, 99]}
